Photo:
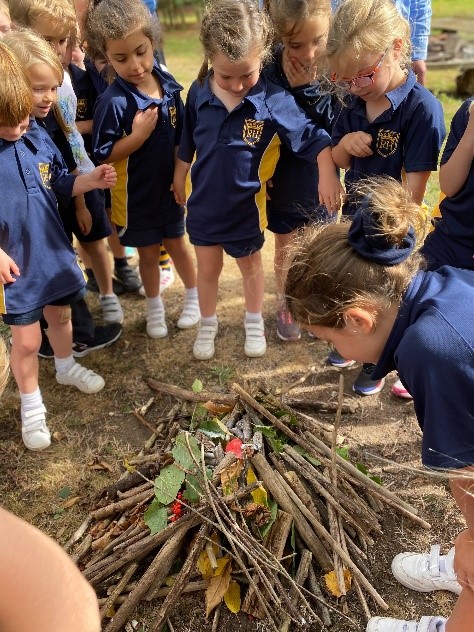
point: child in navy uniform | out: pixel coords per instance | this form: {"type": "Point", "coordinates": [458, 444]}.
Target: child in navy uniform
{"type": "Point", "coordinates": [392, 125]}
{"type": "Point", "coordinates": [38, 267]}
{"type": "Point", "coordinates": [390, 312]}
{"type": "Point", "coordinates": [137, 125]}
{"type": "Point", "coordinates": [235, 122]}
{"type": "Point", "coordinates": [302, 27]}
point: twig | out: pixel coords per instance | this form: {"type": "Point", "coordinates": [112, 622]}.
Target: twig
{"type": "Point", "coordinates": [144, 422]}
{"type": "Point", "coordinates": [190, 396]}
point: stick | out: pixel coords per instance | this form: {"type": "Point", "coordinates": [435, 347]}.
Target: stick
{"type": "Point", "coordinates": [77, 535]}
{"type": "Point", "coordinates": [300, 578]}
{"type": "Point", "coordinates": [121, 505]}
{"type": "Point", "coordinates": [143, 421]}
{"type": "Point", "coordinates": [190, 396]}
{"type": "Point", "coordinates": [118, 589]}
{"type": "Point", "coordinates": [316, 590]}
{"type": "Point", "coordinates": [323, 407]}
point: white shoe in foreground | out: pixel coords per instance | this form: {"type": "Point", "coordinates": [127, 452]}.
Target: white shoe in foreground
{"type": "Point", "coordinates": [84, 379]}
{"type": "Point", "coordinates": [204, 348]}
{"type": "Point", "coordinates": [155, 323]}
{"type": "Point", "coordinates": [422, 572]}
{"type": "Point", "coordinates": [386, 624]}
{"type": "Point", "coordinates": [255, 342]}
{"type": "Point", "coordinates": [190, 315]}
{"type": "Point", "coordinates": [34, 431]}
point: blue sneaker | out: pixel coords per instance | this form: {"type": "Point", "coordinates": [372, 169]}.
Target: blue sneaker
{"type": "Point", "coordinates": [336, 359]}
{"type": "Point", "coordinates": [364, 384]}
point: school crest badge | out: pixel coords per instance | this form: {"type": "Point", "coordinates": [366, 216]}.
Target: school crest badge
{"type": "Point", "coordinates": [252, 131]}
{"type": "Point", "coordinates": [387, 142]}
{"type": "Point", "coordinates": [172, 112]}
{"type": "Point", "coordinates": [45, 173]}
{"type": "Point", "coordinates": [81, 107]}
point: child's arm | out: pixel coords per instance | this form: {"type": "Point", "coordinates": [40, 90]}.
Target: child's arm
{"type": "Point", "coordinates": [84, 127]}
{"type": "Point", "coordinates": [181, 169]}
{"type": "Point", "coordinates": [416, 184]}
{"type": "Point", "coordinates": [8, 268]}
{"type": "Point", "coordinates": [102, 177]}
{"type": "Point", "coordinates": [330, 189]}
{"type": "Point", "coordinates": [143, 125]}
{"type": "Point", "coordinates": [83, 216]}
{"type": "Point", "coordinates": [453, 173]}
{"type": "Point", "coordinates": [352, 144]}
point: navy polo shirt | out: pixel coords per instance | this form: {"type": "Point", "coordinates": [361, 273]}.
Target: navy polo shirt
{"type": "Point", "coordinates": [86, 94]}
{"type": "Point", "coordinates": [406, 137]}
{"type": "Point", "coordinates": [142, 198]}
{"type": "Point", "coordinates": [295, 181]}
{"type": "Point", "coordinates": [236, 153]}
{"type": "Point", "coordinates": [31, 233]}
{"type": "Point", "coordinates": [452, 240]}
{"type": "Point", "coordinates": [431, 346]}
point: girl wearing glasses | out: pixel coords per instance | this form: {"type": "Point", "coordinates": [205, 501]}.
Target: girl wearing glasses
{"type": "Point", "coordinates": [390, 125]}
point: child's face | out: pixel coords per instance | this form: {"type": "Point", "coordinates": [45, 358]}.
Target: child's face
{"type": "Point", "coordinates": [306, 44]}
{"type": "Point", "coordinates": [44, 84]}
{"type": "Point", "coordinates": [14, 133]}
{"type": "Point", "coordinates": [236, 77]}
{"type": "Point", "coordinates": [56, 38]}
{"type": "Point", "coordinates": [77, 56]}
{"type": "Point", "coordinates": [131, 57]}
{"type": "Point", "coordinates": [5, 24]}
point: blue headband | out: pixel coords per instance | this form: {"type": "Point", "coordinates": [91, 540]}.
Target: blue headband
{"type": "Point", "coordinates": [367, 240]}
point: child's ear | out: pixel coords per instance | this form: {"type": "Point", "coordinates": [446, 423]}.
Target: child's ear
{"type": "Point", "coordinates": [360, 320]}
{"type": "Point", "coordinates": [397, 47]}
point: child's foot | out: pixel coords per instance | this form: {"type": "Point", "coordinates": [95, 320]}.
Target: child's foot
{"type": "Point", "coordinates": [255, 342]}
{"type": "Point", "coordinates": [287, 329]}
{"type": "Point", "coordinates": [155, 323]}
{"type": "Point", "coordinates": [336, 359]}
{"type": "Point", "coordinates": [34, 431]}
{"type": "Point", "coordinates": [128, 277]}
{"type": "Point", "coordinates": [425, 572]}
{"type": "Point", "coordinates": [400, 391]}
{"type": "Point", "coordinates": [364, 384]}
{"type": "Point", "coordinates": [84, 379]}
{"type": "Point", "coordinates": [204, 348]}
{"type": "Point", "coordinates": [386, 624]}
{"type": "Point", "coordinates": [112, 311]}
{"type": "Point", "coordinates": [190, 315]}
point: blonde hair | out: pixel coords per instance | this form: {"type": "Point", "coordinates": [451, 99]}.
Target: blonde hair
{"type": "Point", "coordinates": [4, 366]}
{"type": "Point", "coordinates": [326, 276]}
{"type": "Point", "coordinates": [234, 28]}
{"type": "Point", "coordinates": [365, 26]}
{"type": "Point", "coordinates": [16, 101]}
{"type": "Point", "coordinates": [4, 8]}
{"type": "Point", "coordinates": [60, 12]}
{"type": "Point", "coordinates": [287, 15]}
{"type": "Point", "coordinates": [115, 20]}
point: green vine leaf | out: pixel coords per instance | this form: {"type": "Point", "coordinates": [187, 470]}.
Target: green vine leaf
{"type": "Point", "coordinates": [168, 483]}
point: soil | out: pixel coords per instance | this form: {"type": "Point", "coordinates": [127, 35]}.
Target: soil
{"type": "Point", "coordinates": [382, 433]}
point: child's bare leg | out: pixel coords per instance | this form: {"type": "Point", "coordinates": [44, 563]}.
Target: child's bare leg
{"type": "Point", "coordinates": [26, 340]}
{"type": "Point", "coordinates": [210, 260]}
{"type": "Point", "coordinates": [253, 280]}
{"type": "Point", "coordinates": [100, 264]}
{"type": "Point", "coordinates": [59, 322]}
{"type": "Point", "coordinates": [183, 262]}
{"type": "Point", "coordinates": [148, 257]}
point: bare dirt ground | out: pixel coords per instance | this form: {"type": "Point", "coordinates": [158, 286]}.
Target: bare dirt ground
{"type": "Point", "coordinates": [383, 433]}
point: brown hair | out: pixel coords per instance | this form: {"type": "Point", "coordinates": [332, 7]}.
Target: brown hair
{"type": "Point", "coordinates": [365, 26]}
{"type": "Point", "coordinates": [326, 276]}
{"type": "Point", "coordinates": [288, 15]}
{"type": "Point", "coordinates": [60, 12]}
{"type": "Point", "coordinates": [235, 28]}
{"type": "Point", "coordinates": [115, 20]}
{"type": "Point", "coordinates": [16, 101]}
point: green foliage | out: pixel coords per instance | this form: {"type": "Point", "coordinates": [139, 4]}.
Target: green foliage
{"type": "Point", "coordinates": [272, 505]}
{"type": "Point", "coordinates": [197, 386]}
{"type": "Point", "coordinates": [156, 517]}
{"type": "Point", "coordinates": [222, 373]}
{"type": "Point", "coordinates": [213, 429]}
{"type": "Point", "coordinates": [168, 483]}
{"type": "Point", "coordinates": [186, 452]}
{"type": "Point", "coordinates": [65, 492]}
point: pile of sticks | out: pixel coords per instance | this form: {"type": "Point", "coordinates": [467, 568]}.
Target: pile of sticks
{"type": "Point", "coordinates": [334, 507]}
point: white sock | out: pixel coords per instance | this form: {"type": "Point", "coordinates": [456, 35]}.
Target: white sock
{"type": "Point", "coordinates": [63, 365]}
{"type": "Point", "coordinates": [191, 294]}
{"type": "Point", "coordinates": [253, 317]}
{"type": "Point", "coordinates": [437, 624]}
{"type": "Point", "coordinates": [154, 303]}
{"type": "Point", "coordinates": [107, 295]}
{"type": "Point", "coordinates": [209, 320]}
{"type": "Point", "coordinates": [29, 401]}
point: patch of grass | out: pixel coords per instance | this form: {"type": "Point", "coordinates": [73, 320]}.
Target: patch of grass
{"type": "Point", "coordinates": [183, 54]}
{"type": "Point", "coordinates": [452, 8]}
{"type": "Point", "coordinates": [222, 374]}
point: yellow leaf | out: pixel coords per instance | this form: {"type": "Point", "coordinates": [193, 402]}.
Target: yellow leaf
{"type": "Point", "coordinates": [204, 565]}
{"type": "Point", "coordinates": [229, 477]}
{"type": "Point", "coordinates": [232, 597]}
{"type": "Point", "coordinates": [170, 581]}
{"type": "Point", "coordinates": [221, 564]}
{"type": "Point", "coordinates": [332, 583]}
{"type": "Point", "coordinates": [259, 495]}
{"type": "Point", "coordinates": [128, 467]}
{"type": "Point", "coordinates": [217, 588]}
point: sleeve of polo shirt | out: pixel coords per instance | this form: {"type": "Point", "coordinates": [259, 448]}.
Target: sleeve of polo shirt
{"type": "Point", "coordinates": [424, 136]}
{"type": "Point", "coordinates": [318, 105]}
{"type": "Point", "coordinates": [187, 148]}
{"type": "Point", "coordinates": [61, 181]}
{"type": "Point", "coordinates": [179, 119]}
{"type": "Point", "coordinates": [458, 127]}
{"type": "Point", "coordinates": [340, 124]}
{"type": "Point", "coordinates": [107, 128]}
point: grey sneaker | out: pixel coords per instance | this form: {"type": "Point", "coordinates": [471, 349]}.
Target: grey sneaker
{"type": "Point", "coordinates": [112, 311]}
{"type": "Point", "coordinates": [129, 278]}
{"type": "Point", "coordinates": [287, 329]}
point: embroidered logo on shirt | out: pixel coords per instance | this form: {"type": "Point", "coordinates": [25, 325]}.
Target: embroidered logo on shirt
{"type": "Point", "coordinates": [252, 131]}
{"type": "Point", "coordinates": [172, 111]}
{"type": "Point", "coordinates": [81, 107]}
{"type": "Point", "coordinates": [45, 173]}
{"type": "Point", "coordinates": [387, 142]}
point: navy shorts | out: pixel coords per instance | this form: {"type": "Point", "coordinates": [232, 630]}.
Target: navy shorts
{"type": "Point", "coordinates": [35, 315]}
{"type": "Point", "coordinates": [101, 226]}
{"type": "Point", "coordinates": [284, 223]}
{"type": "Point", "coordinates": [151, 236]}
{"type": "Point", "coordinates": [235, 249]}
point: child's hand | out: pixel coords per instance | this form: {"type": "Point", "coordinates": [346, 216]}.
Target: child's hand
{"type": "Point", "coordinates": [8, 268]}
{"type": "Point", "coordinates": [464, 559]}
{"type": "Point", "coordinates": [357, 144]}
{"type": "Point", "coordinates": [83, 217]}
{"type": "Point", "coordinates": [179, 191]}
{"type": "Point", "coordinates": [104, 177]}
{"type": "Point", "coordinates": [296, 73]}
{"type": "Point", "coordinates": [145, 122]}
{"type": "Point", "coordinates": [269, 186]}
{"type": "Point", "coordinates": [330, 192]}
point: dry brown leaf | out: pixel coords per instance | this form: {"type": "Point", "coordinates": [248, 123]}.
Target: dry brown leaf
{"type": "Point", "coordinates": [72, 500]}
{"type": "Point", "coordinates": [230, 477]}
{"type": "Point", "coordinates": [218, 409]}
{"type": "Point", "coordinates": [332, 583]}
{"type": "Point", "coordinates": [218, 587]}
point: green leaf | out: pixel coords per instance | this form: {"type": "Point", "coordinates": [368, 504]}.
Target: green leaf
{"type": "Point", "coordinates": [156, 517]}
{"type": "Point", "coordinates": [168, 483]}
{"type": "Point", "coordinates": [376, 479]}
{"type": "Point", "coordinates": [272, 505]}
{"type": "Point", "coordinates": [183, 455]}
{"type": "Point", "coordinates": [267, 431]}
{"type": "Point", "coordinates": [197, 386]}
{"type": "Point", "coordinates": [343, 452]}
{"type": "Point", "coordinates": [300, 450]}
{"type": "Point", "coordinates": [362, 468]}
{"type": "Point", "coordinates": [65, 492]}
{"type": "Point", "coordinates": [213, 429]}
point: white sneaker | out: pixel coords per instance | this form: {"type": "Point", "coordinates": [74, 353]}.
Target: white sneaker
{"type": "Point", "coordinates": [190, 315]}
{"type": "Point", "coordinates": [386, 624]}
{"type": "Point", "coordinates": [84, 379]}
{"type": "Point", "coordinates": [155, 323]}
{"type": "Point", "coordinates": [167, 278]}
{"type": "Point", "coordinates": [112, 311]}
{"type": "Point", "coordinates": [421, 571]}
{"type": "Point", "coordinates": [255, 342]}
{"type": "Point", "coordinates": [204, 348]}
{"type": "Point", "coordinates": [34, 431]}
